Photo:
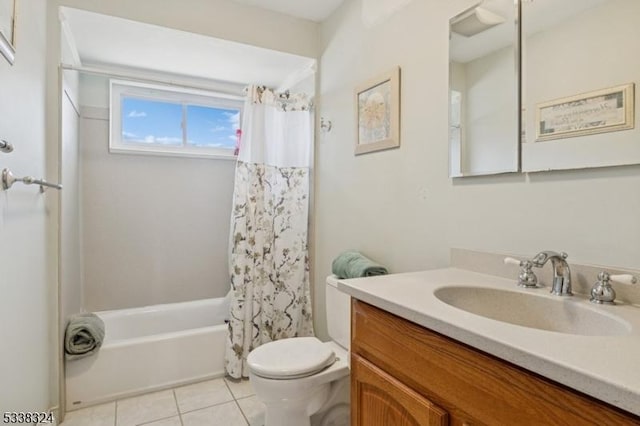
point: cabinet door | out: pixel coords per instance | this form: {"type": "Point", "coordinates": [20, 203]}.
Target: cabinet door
{"type": "Point", "coordinates": [377, 399]}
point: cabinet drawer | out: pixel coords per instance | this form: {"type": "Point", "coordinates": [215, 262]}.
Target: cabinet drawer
{"type": "Point", "coordinates": [472, 386]}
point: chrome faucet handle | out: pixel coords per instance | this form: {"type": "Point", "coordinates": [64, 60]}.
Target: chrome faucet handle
{"type": "Point", "coordinates": [526, 278]}
{"type": "Point", "coordinates": [602, 292]}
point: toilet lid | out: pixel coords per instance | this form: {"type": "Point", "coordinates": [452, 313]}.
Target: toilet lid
{"type": "Point", "coordinates": [290, 358]}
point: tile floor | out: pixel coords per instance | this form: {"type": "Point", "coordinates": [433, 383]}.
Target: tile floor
{"type": "Point", "coordinates": [218, 402]}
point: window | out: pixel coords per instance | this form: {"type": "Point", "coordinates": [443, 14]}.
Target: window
{"type": "Point", "coordinates": [163, 120]}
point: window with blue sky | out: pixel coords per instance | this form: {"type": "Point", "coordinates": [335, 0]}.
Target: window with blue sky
{"type": "Point", "coordinates": [165, 120]}
{"type": "Point", "coordinates": [212, 127]}
{"type": "Point", "coordinates": [153, 122]}
{"type": "Point", "coordinates": [157, 122]}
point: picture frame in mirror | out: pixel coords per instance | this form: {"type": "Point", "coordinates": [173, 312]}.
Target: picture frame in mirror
{"type": "Point", "coordinates": [599, 111]}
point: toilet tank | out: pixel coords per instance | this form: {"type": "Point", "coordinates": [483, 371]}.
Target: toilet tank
{"type": "Point", "coordinates": [338, 308]}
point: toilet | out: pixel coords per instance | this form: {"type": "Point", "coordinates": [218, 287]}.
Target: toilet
{"type": "Point", "coordinates": [303, 381]}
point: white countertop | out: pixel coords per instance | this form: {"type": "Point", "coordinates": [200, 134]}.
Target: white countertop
{"type": "Point", "coordinates": [605, 367]}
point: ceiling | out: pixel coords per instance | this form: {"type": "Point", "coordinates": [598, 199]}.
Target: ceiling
{"type": "Point", "coordinates": [107, 40]}
{"type": "Point", "coordinates": [314, 10]}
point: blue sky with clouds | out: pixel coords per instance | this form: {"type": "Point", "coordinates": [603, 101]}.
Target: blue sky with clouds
{"type": "Point", "coordinates": [149, 121]}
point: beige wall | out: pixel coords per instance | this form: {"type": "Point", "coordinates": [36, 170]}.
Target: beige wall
{"type": "Point", "coordinates": [27, 283]}
{"type": "Point", "coordinates": [400, 207]}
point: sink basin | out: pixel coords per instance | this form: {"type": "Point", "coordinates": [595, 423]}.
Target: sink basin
{"type": "Point", "coordinates": [561, 315]}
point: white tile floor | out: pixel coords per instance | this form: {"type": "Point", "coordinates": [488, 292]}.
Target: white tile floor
{"type": "Point", "coordinates": [219, 402]}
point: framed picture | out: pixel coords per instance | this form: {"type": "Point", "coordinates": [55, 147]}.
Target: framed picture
{"type": "Point", "coordinates": [378, 113]}
{"type": "Point", "coordinates": [7, 29]}
{"type": "Point", "coordinates": [606, 110]}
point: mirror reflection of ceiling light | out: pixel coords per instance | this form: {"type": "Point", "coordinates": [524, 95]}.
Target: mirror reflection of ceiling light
{"type": "Point", "coordinates": [475, 21]}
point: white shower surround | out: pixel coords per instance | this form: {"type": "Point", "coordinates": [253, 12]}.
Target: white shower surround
{"type": "Point", "coordinates": [151, 348]}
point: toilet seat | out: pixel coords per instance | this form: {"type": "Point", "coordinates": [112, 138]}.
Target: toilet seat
{"type": "Point", "coordinates": [292, 358]}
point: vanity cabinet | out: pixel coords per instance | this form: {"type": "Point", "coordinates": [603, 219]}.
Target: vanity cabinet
{"type": "Point", "coordinates": [404, 374]}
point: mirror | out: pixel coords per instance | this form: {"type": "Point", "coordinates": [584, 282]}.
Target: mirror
{"type": "Point", "coordinates": [580, 68]}
{"type": "Point", "coordinates": [483, 89]}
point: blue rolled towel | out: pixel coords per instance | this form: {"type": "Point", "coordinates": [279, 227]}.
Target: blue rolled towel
{"type": "Point", "coordinates": [84, 335]}
{"type": "Point", "coordinates": [353, 264]}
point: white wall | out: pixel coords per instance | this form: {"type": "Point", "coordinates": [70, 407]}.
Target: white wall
{"type": "Point", "coordinates": [155, 228]}
{"type": "Point", "coordinates": [27, 284]}
{"type": "Point", "coordinates": [399, 206]}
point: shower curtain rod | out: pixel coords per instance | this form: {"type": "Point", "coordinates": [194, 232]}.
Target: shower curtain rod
{"type": "Point", "coordinates": [142, 78]}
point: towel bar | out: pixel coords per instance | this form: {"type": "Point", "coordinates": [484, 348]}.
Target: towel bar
{"type": "Point", "coordinates": [8, 179]}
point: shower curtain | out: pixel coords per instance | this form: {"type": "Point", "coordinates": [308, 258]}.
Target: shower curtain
{"type": "Point", "coordinates": [269, 262]}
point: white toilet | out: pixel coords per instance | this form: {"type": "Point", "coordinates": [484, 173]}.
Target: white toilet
{"type": "Point", "coordinates": [303, 381]}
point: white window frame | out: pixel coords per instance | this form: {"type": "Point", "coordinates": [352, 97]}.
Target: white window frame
{"type": "Point", "coordinates": [155, 92]}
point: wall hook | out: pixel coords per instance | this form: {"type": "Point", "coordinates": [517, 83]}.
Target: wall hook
{"type": "Point", "coordinates": [325, 125]}
{"type": "Point", "coordinates": [5, 146]}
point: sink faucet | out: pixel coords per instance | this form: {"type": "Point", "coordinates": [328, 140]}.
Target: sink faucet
{"type": "Point", "coordinates": [561, 273]}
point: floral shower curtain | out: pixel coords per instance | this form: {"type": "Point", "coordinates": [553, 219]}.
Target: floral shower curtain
{"type": "Point", "coordinates": [269, 262]}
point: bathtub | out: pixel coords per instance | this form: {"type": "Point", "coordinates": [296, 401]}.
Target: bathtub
{"type": "Point", "coordinates": [151, 348]}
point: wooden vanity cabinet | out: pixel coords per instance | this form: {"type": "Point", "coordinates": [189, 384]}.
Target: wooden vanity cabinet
{"type": "Point", "coordinates": [403, 374]}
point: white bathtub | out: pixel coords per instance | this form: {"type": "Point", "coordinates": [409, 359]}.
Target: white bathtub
{"type": "Point", "coordinates": [151, 348]}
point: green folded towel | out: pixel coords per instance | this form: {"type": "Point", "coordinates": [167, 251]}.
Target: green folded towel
{"type": "Point", "coordinates": [84, 335]}
{"type": "Point", "coordinates": [352, 264]}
